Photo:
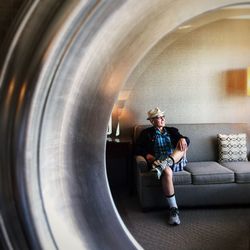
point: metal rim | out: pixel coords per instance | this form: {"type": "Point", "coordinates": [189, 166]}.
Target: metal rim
{"type": "Point", "coordinates": [57, 92]}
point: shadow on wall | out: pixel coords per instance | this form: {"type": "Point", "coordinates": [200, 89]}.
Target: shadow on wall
{"type": "Point", "coordinates": [236, 82]}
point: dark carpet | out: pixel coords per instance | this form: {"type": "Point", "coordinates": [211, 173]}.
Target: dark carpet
{"type": "Point", "coordinates": [201, 228]}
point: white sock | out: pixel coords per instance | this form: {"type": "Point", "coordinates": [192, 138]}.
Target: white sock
{"type": "Point", "coordinates": [172, 201]}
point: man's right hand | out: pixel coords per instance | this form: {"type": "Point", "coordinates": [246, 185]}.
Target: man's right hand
{"type": "Point", "coordinates": [150, 158]}
{"type": "Point", "coordinates": [156, 164]}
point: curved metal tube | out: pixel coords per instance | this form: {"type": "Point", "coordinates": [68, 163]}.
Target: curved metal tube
{"type": "Point", "coordinates": [62, 73]}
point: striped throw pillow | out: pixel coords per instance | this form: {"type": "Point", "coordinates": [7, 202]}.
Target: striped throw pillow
{"type": "Point", "coordinates": [232, 147]}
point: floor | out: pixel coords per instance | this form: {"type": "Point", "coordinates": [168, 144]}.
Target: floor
{"type": "Point", "coordinates": [201, 229]}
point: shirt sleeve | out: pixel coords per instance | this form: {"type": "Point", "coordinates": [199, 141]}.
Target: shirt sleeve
{"type": "Point", "coordinates": [142, 146]}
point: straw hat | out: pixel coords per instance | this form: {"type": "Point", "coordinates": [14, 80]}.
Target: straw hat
{"type": "Point", "coordinates": [154, 113]}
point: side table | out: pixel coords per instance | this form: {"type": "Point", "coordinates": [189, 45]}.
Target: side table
{"type": "Point", "coordinates": [119, 162]}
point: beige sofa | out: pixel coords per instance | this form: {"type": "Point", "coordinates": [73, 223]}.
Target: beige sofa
{"type": "Point", "coordinates": [204, 182]}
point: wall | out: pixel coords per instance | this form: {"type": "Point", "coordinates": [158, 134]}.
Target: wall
{"type": "Point", "coordinates": [200, 78]}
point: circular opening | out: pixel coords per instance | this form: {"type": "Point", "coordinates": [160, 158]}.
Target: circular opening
{"type": "Point", "coordinates": [62, 105]}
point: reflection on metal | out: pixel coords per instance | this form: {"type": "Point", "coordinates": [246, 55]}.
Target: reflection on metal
{"type": "Point", "coordinates": [67, 62]}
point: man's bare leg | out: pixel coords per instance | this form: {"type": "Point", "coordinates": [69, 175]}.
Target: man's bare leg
{"type": "Point", "coordinates": [168, 187]}
{"type": "Point", "coordinates": [177, 155]}
{"type": "Point", "coordinates": [167, 182]}
{"type": "Point", "coordinates": [167, 178]}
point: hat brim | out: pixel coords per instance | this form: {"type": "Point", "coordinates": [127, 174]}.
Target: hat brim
{"type": "Point", "coordinates": [149, 118]}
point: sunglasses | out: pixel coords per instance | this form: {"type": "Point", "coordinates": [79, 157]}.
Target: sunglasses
{"type": "Point", "coordinates": [160, 117]}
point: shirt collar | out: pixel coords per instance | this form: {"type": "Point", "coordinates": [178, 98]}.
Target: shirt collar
{"type": "Point", "coordinates": [164, 131]}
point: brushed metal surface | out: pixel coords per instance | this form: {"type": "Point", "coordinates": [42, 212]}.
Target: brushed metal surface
{"type": "Point", "coordinates": [60, 78]}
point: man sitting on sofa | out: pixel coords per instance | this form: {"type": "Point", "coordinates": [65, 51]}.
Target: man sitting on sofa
{"type": "Point", "coordinates": [164, 148]}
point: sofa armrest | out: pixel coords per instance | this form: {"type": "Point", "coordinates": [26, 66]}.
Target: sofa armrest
{"type": "Point", "coordinates": [141, 164]}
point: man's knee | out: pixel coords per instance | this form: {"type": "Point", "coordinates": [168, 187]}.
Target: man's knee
{"type": "Point", "coordinates": [168, 173]}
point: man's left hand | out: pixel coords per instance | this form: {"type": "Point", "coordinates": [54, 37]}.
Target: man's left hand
{"type": "Point", "coordinates": [182, 144]}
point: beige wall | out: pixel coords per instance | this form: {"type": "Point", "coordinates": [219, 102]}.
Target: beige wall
{"type": "Point", "coordinates": [200, 78]}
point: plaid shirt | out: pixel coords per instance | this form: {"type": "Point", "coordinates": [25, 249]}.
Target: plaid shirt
{"type": "Point", "coordinates": [163, 148]}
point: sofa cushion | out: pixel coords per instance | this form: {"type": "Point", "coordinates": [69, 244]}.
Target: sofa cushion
{"type": "Point", "coordinates": [179, 178]}
{"type": "Point", "coordinates": [232, 147]}
{"type": "Point", "coordinates": [182, 177]}
{"type": "Point", "coordinates": [209, 172]}
{"type": "Point", "coordinates": [241, 170]}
